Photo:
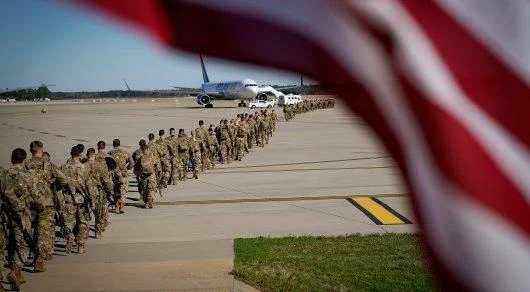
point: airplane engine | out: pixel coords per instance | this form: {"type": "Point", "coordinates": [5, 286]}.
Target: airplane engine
{"type": "Point", "coordinates": [261, 96]}
{"type": "Point", "coordinates": [203, 99]}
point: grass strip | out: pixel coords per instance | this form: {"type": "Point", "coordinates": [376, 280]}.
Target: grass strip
{"type": "Point", "coordinates": [375, 262]}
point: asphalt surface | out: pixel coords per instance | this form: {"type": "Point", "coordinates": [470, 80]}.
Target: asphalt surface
{"type": "Point", "coordinates": [296, 185]}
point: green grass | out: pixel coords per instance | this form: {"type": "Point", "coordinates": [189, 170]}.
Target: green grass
{"type": "Point", "coordinates": [346, 263]}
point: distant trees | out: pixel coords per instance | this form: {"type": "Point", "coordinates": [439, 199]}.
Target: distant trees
{"type": "Point", "coordinates": [28, 94]}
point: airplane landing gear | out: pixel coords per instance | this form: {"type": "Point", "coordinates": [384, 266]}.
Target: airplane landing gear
{"type": "Point", "coordinates": [210, 105]}
{"type": "Point", "coordinates": [242, 104]}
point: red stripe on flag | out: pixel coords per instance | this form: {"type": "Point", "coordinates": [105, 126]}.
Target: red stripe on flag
{"type": "Point", "coordinates": [147, 14]}
{"type": "Point", "coordinates": [457, 153]}
{"type": "Point", "coordinates": [480, 74]}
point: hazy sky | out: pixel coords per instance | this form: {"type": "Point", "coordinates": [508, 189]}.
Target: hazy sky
{"type": "Point", "coordinates": [53, 43]}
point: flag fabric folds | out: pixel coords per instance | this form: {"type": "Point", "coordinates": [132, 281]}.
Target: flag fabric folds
{"type": "Point", "coordinates": [445, 85]}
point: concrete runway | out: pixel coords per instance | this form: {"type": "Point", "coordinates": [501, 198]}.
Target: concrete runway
{"type": "Point", "coordinates": [296, 185]}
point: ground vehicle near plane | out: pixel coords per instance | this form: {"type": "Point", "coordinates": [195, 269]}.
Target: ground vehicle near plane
{"type": "Point", "coordinates": [243, 90]}
{"type": "Point", "coordinates": [261, 104]}
{"type": "Point", "coordinates": [289, 99]}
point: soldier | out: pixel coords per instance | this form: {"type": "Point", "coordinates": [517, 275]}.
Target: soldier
{"type": "Point", "coordinates": [274, 120]}
{"type": "Point", "coordinates": [153, 147]}
{"type": "Point", "coordinates": [19, 194]}
{"type": "Point", "coordinates": [146, 171]}
{"type": "Point", "coordinates": [241, 136]}
{"type": "Point", "coordinates": [202, 134]}
{"type": "Point", "coordinates": [176, 164]}
{"type": "Point", "coordinates": [195, 154]}
{"type": "Point", "coordinates": [232, 133]}
{"type": "Point", "coordinates": [165, 158]}
{"type": "Point", "coordinates": [75, 205]}
{"type": "Point", "coordinates": [45, 173]}
{"type": "Point", "coordinates": [101, 159]}
{"type": "Point", "coordinates": [183, 147]}
{"type": "Point", "coordinates": [104, 187]}
{"type": "Point", "coordinates": [125, 163]}
{"type": "Point", "coordinates": [225, 142]}
{"type": "Point", "coordinates": [213, 146]}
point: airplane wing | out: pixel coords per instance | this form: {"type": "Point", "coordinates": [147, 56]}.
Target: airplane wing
{"type": "Point", "coordinates": [287, 87]}
{"type": "Point", "coordinates": [187, 90]}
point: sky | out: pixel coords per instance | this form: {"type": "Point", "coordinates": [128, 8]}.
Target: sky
{"type": "Point", "coordinates": [51, 42]}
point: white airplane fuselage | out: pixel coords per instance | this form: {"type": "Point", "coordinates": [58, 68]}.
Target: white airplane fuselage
{"type": "Point", "coordinates": [245, 89]}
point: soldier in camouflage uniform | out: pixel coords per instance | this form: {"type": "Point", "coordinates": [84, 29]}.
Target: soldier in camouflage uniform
{"type": "Point", "coordinates": [213, 147]}
{"type": "Point", "coordinates": [176, 164]}
{"type": "Point", "coordinates": [165, 158]}
{"type": "Point", "coordinates": [145, 170]}
{"type": "Point", "coordinates": [102, 179]}
{"type": "Point", "coordinates": [202, 134]}
{"type": "Point", "coordinates": [45, 174]}
{"type": "Point", "coordinates": [241, 137]}
{"type": "Point", "coordinates": [101, 160]}
{"type": "Point", "coordinates": [195, 154]}
{"type": "Point", "coordinates": [225, 142]}
{"type": "Point", "coordinates": [155, 150]}
{"type": "Point", "coordinates": [183, 147]}
{"type": "Point", "coordinates": [75, 205]}
{"type": "Point", "coordinates": [125, 163]}
{"type": "Point", "coordinates": [19, 196]}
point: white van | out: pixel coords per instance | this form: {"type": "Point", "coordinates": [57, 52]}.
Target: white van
{"type": "Point", "coordinates": [289, 99]}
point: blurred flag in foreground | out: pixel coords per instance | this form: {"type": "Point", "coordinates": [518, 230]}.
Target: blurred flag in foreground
{"type": "Point", "coordinates": [445, 85]}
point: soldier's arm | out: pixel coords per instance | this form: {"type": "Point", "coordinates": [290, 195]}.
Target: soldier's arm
{"type": "Point", "coordinates": [130, 161]}
{"type": "Point", "coordinates": [61, 179]}
{"type": "Point", "coordinates": [107, 183]}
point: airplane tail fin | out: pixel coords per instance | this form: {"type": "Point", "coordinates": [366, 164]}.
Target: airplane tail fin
{"type": "Point", "coordinates": [204, 74]}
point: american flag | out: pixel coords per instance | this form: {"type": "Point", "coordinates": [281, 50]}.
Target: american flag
{"type": "Point", "coordinates": [444, 84]}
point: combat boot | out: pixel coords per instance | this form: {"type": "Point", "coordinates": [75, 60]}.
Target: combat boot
{"type": "Point", "coordinates": [48, 257]}
{"type": "Point", "coordinates": [81, 248]}
{"type": "Point", "coordinates": [13, 281]}
{"type": "Point", "coordinates": [69, 246]}
{"type": "Point", "coordinates": [195, 176]}
{"type": "Point", "coordinates": [39, 265]}
{"type": "Point", "coordinates": [97, 234]}
{"type": "Point", "coordinates": [122, 206]}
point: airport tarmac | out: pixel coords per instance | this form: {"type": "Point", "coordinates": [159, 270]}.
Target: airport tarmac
{"type": "Point", "coordinates": [316, 177]}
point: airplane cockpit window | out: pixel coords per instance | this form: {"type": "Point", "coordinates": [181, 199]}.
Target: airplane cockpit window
{"type": "Point", "coordinates": [251, 85]}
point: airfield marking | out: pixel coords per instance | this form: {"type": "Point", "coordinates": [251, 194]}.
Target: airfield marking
{"type": "Point", "coordinates": [279, 199]}
{"type": "Point", "coordinates": [379, 212]}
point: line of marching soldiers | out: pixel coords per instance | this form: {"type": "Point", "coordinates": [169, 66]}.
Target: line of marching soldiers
{"type": "Point", "coordinates": [290, 111]}
{"type": "Point", "coordinates": [37, 195]}
{"type": "Point", "coordinates": [168, 160]}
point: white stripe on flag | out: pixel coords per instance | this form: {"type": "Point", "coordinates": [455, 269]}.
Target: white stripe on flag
{"type": "Point", "coordinates": [502, 26]}
{"type": "Point", "coordinates": [429, 73]}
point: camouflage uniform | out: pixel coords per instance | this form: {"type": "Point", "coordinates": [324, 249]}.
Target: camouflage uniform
{"type": "Point", "coordinates": [202, 134]}
{"type": "Point", "coordinates": [75, 204]}
{"type": "Point", "coordinates": [124, 163]}
{"type": "Point", "coordinates": [165, 160]}
{"type": "Point", "coordinates": [145, 170]}
{"type": "Point", "coordinates": [225, 144]}
{"type": "Point", "coordinates": [241, 136]}
{"type": "Point", "coordinates": [45, 173]}
{"type": "Point", "coordinates": [104, 196]}
{"type": "Point", "coordinates": [155, 150]}
{"type": "Point", "coordinates": [183, 147]}
{"type": "Point", "coordinates": [102, 180]}
{"type": "Point", "coordinates": [213, 148]}
{"type": "Point", "coordinates": [195, 155]}
{"type": "Point", "coordinates": [19, 195]}
{"type": "Point", "coordinates": [176, 164]}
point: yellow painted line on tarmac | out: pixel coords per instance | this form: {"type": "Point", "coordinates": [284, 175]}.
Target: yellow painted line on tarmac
{"type": "Point", "coordinates": [379, 212]}
{"type": "Point", "coordinates": [273, 199]}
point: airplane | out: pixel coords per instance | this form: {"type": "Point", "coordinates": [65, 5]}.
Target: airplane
{"type": "Point", "coordinates": [243, 90]}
